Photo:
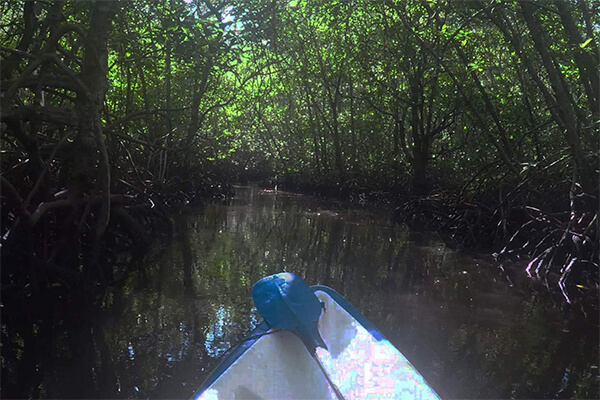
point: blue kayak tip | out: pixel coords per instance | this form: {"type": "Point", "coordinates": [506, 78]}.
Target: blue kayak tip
{"type": "Point", "coordinates": [285, 301]}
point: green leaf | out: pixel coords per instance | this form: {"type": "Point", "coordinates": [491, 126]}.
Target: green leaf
{"type": "Point", "coordinates": [474, 67]}
{"type": "Point", "coordinates": [582, 45]}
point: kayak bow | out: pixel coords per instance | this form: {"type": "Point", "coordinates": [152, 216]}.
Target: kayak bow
{"type": "Point", "coordinates": [286, 302]}
{"type": "Point", "coordinates": [358, 361]}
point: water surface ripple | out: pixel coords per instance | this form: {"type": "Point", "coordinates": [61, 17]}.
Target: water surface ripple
{"type": "Point", "coordinates": [455, 316]}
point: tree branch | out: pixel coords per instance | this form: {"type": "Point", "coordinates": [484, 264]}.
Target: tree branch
{"type": "Point", "coordinates": [32, 81]}
{"type": "Point", "coordinates": [46, 114]}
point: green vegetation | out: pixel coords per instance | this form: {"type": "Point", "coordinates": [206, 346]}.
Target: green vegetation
{"type": "Point", "coordinates": [484, 114]}
{"type": "Point", "coordinates": [489, 108]}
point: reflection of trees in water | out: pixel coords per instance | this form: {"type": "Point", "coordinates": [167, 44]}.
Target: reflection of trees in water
{"type": "Point", "coordinates": [399, 279]}
{"type": "Point", "coordinates": [162, 328]}
{"type": "Point", "coordinates": [61, 351]}
{"type": "Point", "coordinates": [524, 358]}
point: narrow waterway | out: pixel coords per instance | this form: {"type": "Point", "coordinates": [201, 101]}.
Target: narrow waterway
{"type": "Point", "coordinates": [468, 329]}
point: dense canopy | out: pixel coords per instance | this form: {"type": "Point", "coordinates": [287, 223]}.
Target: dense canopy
{"type": "Point", "coordinates": [484, 101]}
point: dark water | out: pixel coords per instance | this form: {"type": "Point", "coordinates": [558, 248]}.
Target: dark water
{"type": "Point", "coordinates": [162, 328]}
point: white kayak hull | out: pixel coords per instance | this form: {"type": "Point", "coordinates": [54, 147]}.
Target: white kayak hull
{"type": "Point", "coordinates": [360, 362]}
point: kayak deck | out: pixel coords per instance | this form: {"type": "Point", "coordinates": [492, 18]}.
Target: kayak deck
{"type": "Point", "coordinates": [277, 365]}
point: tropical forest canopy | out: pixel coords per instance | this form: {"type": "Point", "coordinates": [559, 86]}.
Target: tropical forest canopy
{"type": "Point", "coordinates": [106, 102]}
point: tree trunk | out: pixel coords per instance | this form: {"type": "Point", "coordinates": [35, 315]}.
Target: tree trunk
{"type": "Point", "coordinates": [586, 63]}
{"type": "Point", "coordinates": [90, 100]}
{"type": "Point", "coordinates": [337, 146]}
{"type": "Point", "coordinates": [313, 129]}
{"type": "Point", "coordinates": [355, 163]}
{"type": "Point", "coordinates": [566, 114]}
{"type": "Point", "coordinates": [200, 86]}
{"type": "Point", "coordinates": [398, 125]}
{"type": "Point", "coordinates": [420, 148]}
{"type": "Point", "coordinates": [419, 166]}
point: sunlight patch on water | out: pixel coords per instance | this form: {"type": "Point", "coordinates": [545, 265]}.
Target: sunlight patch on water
{"type": "Point", "coordinates": [215, 344]}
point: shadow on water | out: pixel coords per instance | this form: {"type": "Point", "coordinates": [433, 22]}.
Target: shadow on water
{"type": "Point", "coordinates": [161, 329]}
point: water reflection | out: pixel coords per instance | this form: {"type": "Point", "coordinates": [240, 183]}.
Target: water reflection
{"type": "Point", "coordinates": [162, 329]}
